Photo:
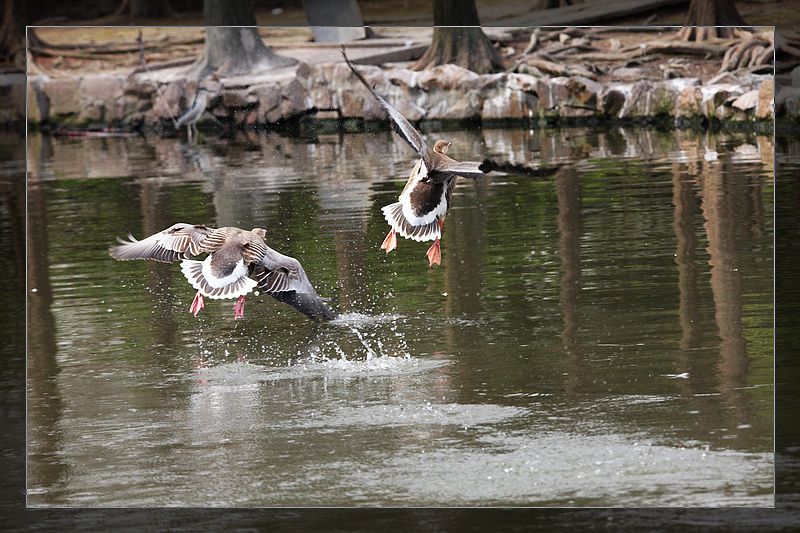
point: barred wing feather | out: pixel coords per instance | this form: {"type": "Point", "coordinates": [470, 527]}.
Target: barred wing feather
{"type": "Point", "coordinates": [179, 241]}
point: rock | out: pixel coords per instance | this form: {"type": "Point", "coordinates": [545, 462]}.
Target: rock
{"type": "Point", "coordinates": [611, 101]}
{"type": "Point", "coordinates": [320, 90]}
{"type": "Point", "coordinates": [583, 92]}
{"type": "Point", "coordinates": [494, 81]}
{"type": "Point", "coordinates": [448, 77]}
{"type": "Point", "coordinates": [448, 104]}
{"type": "Point", "coordinates": [765, 108]}
{"type": "Point", "coordinates": [408, 106]}
{"type": "Point", "coordinates": [349, 103]}
{"type": "Point", "coordinates": [130, 106]}
{"type": "Point", "coordinates": [63, 96]}
{"type": "Point", "coordinates": [102, 88]}
{"type": "Point", "coordinates": [679, 84]}
{"type": "Point", "coordinates": [235, 99]}
{"type": "Point", "coordinates": [282, 97]}
{"type": "Point", "coordinates": [730, 113]}
{"type": "Point", "coordinates": [746, 101]}
{"type": "Point", "coordinates": [326, 115]}
{"type": "Point", "coordinates": [662, 100]}
{"type": "Point", "coordinates": [442, 93]}
{"type": "Point", "coordinates": [688, 103]}
{"type": "Point", "coordinates": [637, 102]}
{"type": "Point", "coordinates": [552, 92]}
{"type": "Point", "coordinates": [402, 77]}
{"type": "Point", "coordinates": [171, 101]}
{"type": "Point", "coordinates": [351, 97]}
{"type": "Point", "coordinates": [516, 98]}
{"type": "Point", "coordinates": [715, 95]}
{"type": "Point", "coordinates": [627, 74]}
{"type": "Point", "coordinates": [509, 103]}
{"type": "Point", "coordinates": [38, 105]}
{"type": "Point", "coordinates": [295, 99]}
{"type": "Point", "coordinates": [140, 87]}
{"type": "Point", "coordinates": [268, 97]}
{"type": "Point", "coordinates": [519, 82]}
{"type": "Point", "coordinates": [101, 99]}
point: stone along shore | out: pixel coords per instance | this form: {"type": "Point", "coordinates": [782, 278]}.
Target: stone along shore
{"type": "Point", "coordinates": [329, 91]}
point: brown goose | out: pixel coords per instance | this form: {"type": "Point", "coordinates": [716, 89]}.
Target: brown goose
{"type": "Point", "coordinates": [419, 214]}
{"type": "Point", "coordinates": [238, 262]}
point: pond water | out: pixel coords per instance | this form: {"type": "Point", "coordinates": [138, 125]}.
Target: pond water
{"type": "Point", "coordinates": [601, 337]}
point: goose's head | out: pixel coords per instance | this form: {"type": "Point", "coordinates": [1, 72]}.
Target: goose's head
{"type": "Point", "coordinates": [441, 146]}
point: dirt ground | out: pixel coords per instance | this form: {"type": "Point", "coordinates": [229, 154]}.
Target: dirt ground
{"type": "Point", "coordinates": [784, 13]}
{"type": "Point", "coordinates": [182, 38]}
{"type": "Point", "coordinates": [170, 44]}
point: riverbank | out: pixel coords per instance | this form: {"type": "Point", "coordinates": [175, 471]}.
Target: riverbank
{"type": "Point", "coordinates": [645, 87]}
{"type": "Point", "coordinates": [329, 91]}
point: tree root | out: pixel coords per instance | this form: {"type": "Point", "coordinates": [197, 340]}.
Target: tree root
{"type": "Point", "coordinates": [701, 33]}
{"type": "Point", "coordinates": [659, 47]}
{"type": "Point", "coordinates": [753, 49]}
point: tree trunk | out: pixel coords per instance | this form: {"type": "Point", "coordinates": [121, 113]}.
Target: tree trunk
{"type": "Point", "coordinates": [237, 50]}
{"type": "Point", "coordinates": [466, 47]}
{"type": "Point", "coordinates": [12, 33]}
{"type": "Point", "coordinates": [705, 14]}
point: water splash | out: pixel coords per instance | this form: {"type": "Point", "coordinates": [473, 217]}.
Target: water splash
{"type": "Point", "coordinates": [370, 351]}
{"type": "Point", "coordinates": [349, 319]}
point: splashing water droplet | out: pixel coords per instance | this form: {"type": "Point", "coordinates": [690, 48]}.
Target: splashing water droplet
{"type": "Point", "coordinates": [370, 351]}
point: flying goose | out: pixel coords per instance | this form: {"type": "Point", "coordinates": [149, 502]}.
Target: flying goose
{"type": "Point", "coordinates": [420, 212]}
{"type": "Point", "coordinates": [238, 262]}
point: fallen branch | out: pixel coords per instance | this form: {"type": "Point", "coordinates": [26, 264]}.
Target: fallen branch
{"type": "Point", "coordinates": [50, 49]}
{"type": "Point", "coordinates": [578, 44]}
{"type": "Point", "coordinates": [534, 42]}
{"type": "Point", "coordinates": [60, 53]}
{"type": "Point", "coordinates": [165, 65]}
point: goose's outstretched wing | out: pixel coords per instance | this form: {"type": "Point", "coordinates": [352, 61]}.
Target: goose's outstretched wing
{"type": "Point", "coordinates": [179, 241]}
{"type": "Point", "coordinates": [487, 165]}
{"type": "Point", "coordinates": [476, 169]}
{"type": "Point", "coordinates": [466, 169]}
{"type": "Point", "coordinates": [284, 278]}
{"type": "Point", "coordinates": [280, 273]}
{"type": "Point", "coordinates": [403, 127]}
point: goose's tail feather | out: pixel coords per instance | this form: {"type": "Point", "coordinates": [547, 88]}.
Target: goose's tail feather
{"type": "Point", "coordinates": [397, 220]}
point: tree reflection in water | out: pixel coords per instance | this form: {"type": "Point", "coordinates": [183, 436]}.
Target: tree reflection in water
{"type": "Point", "coordinates": [628, 295]}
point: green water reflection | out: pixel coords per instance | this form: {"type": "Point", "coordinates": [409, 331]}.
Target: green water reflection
{"type": "Point", "coordinates": [600, 337]}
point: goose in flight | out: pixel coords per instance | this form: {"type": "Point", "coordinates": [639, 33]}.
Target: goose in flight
{"type": "Point", "coordinates": [420, 212]}
{"type": "Point", "coordinates": [238, 262]}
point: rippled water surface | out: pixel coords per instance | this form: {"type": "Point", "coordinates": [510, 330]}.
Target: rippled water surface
{"type": "Point", "coordinates": [600, 337]}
